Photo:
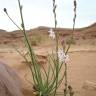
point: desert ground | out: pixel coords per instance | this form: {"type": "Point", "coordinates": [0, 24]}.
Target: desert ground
{"type": "Point", "coordinates": [81, 67]}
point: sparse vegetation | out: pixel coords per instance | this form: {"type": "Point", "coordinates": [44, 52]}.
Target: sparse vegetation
{"type": "Point", "coordinates": [36, 40]}
{"type": "Point", "coordinates": [70, 41]}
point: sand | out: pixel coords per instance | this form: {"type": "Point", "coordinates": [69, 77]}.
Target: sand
{"type": "Point", "coordinates": [81, 68]}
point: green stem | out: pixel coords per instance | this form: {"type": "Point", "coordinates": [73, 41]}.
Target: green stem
{"type": "Point", "coordinates": [74, 20]}
{"type": "Point", "coordinates": [13, 21]}
{"type": "Point", "coordinates": [56, 34]}
{"type": "Point", "coordinates": [66, 82]}
{"type": "Point", "coordinates": [28, 45]}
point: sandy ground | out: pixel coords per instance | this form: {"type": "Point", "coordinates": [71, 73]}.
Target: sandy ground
{"type": "Point", "coordinates": [81, 68]}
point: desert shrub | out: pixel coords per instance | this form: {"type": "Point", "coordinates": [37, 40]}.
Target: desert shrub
{"type": "Point", "coordinates": [35, 40]}
{"type": "Point", "coordinates": [70, 41]}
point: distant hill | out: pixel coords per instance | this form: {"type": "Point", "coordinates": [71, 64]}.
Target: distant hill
{"type": "Point", "coordinates": [17, 36]}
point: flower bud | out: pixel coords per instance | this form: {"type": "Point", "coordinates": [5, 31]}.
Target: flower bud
{"type": "Point", "coordinates": [5, 10]}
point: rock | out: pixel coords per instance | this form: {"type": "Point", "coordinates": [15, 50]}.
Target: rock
{"type": "Point", "coordinates": [10, 84]}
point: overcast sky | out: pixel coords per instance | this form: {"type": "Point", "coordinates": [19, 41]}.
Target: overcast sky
{"type": "Point", "coordinates": [39, 13]}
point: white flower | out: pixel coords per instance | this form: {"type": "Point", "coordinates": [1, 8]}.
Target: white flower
{"type": "Point", "coordinates": [51, 33]}
{"type": "Point", "coordinates": [62, 57]}
{"type": "Point", "coordinates": [67, 58]}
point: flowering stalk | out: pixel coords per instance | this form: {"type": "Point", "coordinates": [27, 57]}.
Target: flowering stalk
{"type": "Point", "coordinates": [74, 19]}
{"type": "Point", "coordinates": [36, 67]}
{"type": "Point", "coordinates": [28, 45]}
{"type": "Point", "coordinates": [57, 37]}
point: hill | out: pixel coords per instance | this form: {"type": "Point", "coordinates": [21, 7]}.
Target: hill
{"type": "Point", "coordinates": [16, 37]}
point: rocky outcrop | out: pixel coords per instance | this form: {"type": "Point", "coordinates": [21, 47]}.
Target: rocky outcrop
{"type": "Point", "coordinates": [10, 84]}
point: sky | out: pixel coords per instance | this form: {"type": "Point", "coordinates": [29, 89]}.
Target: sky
{"type": "Point", "coordinates": [39, 13]}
